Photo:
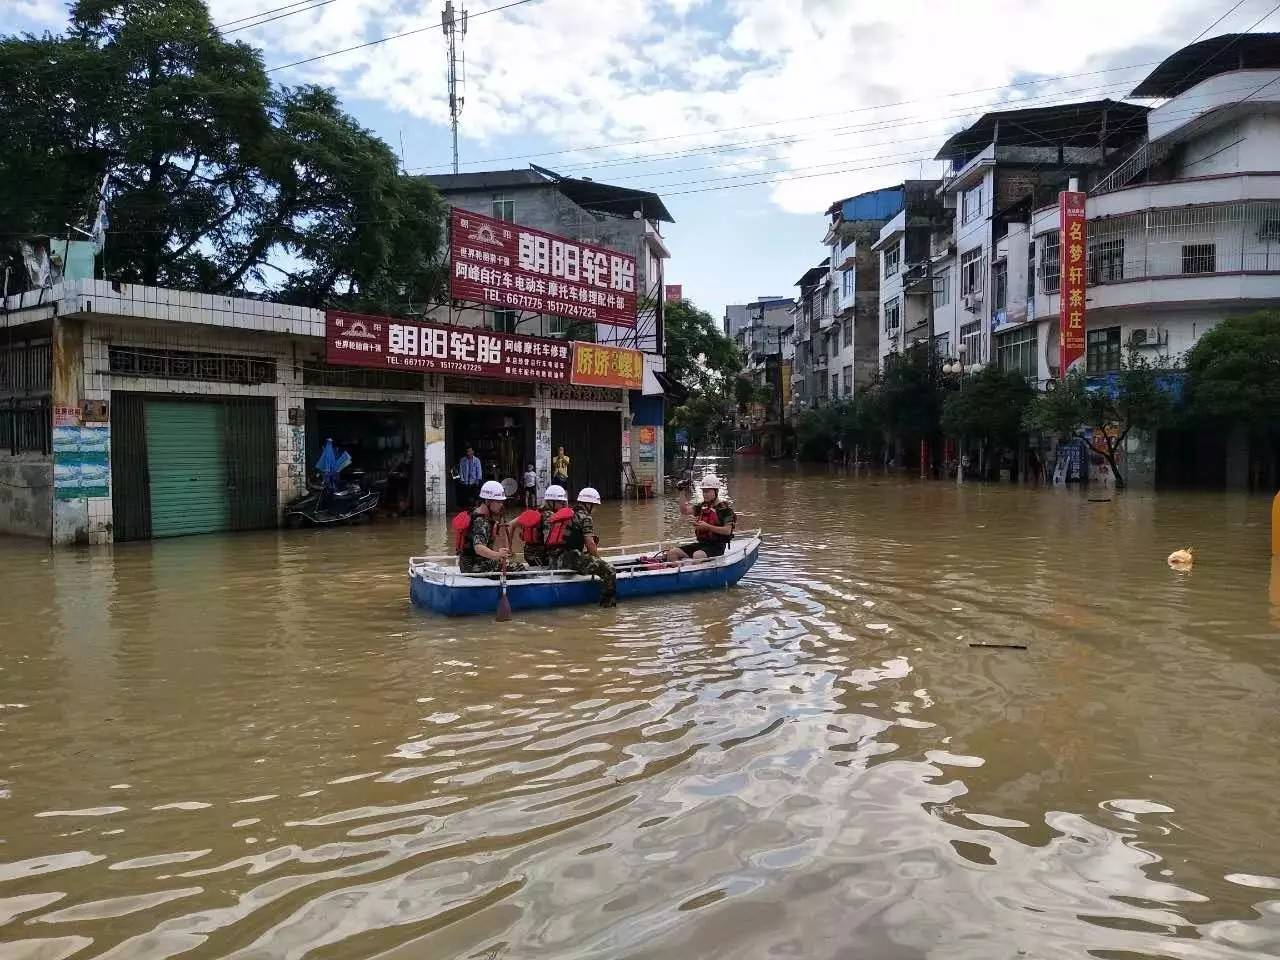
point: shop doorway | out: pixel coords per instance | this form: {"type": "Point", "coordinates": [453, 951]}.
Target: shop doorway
{"type": "Point", "coordinates": [593, 441]}
{"type": "Point", "coordinates": [502, 437]}
{"type": "Point", "coordinates": [386, 446]}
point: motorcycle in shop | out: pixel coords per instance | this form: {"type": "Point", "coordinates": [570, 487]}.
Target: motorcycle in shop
{"type": "Point", "coordinates": [332, 501]}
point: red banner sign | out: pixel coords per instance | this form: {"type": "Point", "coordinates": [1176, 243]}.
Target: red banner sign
{"type": "Point", "coordinates": [510, 267]}
{"type": "Point", "coordinates": [675, 292]}
{"type": "Point", "coordinates": [1072, 247]}
{"type": "Point", "coordinates": [597, 366]}
{"type": "Point", "coordinates": [360, 341]}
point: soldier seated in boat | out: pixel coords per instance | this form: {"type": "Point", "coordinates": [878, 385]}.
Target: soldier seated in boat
{"type": "Point", "coordinates": [535, 525]}
{"type": "Point", "coordinates": [481, 538]}
{"type": "Point", "coordinates": [713, 523]}
{"type": "Point", "coordinates": [577, 548]}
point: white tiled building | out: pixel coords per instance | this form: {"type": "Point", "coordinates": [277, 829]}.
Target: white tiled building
{"type": "Point", "coordinates": [100, 354]}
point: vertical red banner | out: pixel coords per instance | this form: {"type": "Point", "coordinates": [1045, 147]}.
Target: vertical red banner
{"type": "Point", "coordinates": [1072, 249]}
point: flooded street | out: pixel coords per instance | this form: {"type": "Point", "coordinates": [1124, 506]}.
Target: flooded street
{"type": "Point", "coordinates": [252, 746]}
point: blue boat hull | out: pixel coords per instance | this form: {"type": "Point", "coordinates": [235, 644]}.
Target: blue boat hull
{"type": "Point", "coordinates": [457, 601]}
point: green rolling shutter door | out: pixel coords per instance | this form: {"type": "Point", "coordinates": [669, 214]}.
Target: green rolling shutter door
{"type": "Point", "coordinates": [187, 459]}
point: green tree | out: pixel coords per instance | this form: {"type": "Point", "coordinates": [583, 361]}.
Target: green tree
{"type": "Point", "coordinates": [708, 418]}
{"type": "Point", "coordinates": [910, 395]}
{"type": "Point", "coordinates": [1233, 374]}
{"type": "Point", "coordinates": [699, 355]}
{"type": "Point", "coordinates": [988, 407]}
{"type": "Point", "coordinates": [1103, 415]}
{"type": "Point", "coordinates": [217, 180]}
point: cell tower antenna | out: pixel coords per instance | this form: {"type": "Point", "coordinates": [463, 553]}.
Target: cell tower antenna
{"type": "Point", "coordinates": [454, 23]}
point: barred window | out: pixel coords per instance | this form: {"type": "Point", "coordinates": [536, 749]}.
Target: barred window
{"type": "Point", "coordinates": [1050, 263]}
{"type": "Point", "coordinates": [127, 361]}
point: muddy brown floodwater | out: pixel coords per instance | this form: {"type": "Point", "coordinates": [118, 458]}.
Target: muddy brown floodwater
{"type": "Point", "coordinates": [252, 746]}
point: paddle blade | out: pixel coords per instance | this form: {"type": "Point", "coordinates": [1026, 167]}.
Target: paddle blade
{"type": "Point", "coordinates": [504, 608]}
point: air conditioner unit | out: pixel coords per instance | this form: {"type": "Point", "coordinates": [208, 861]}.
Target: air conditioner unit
{"type": "Point", "coordinates": [972, 301]}
{"type": "Point", "coordinates": [1145, 337]}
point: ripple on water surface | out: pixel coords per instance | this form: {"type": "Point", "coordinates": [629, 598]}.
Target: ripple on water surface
{"type": "Point", "coordinates": [253, 747]}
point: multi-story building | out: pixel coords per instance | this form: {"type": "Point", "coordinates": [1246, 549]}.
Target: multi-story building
{"type": "Point", "coordinates": [913, 257]}
{"type": "Point", "coordinates": [812, 315]}
{"type": "Point", "coordinates": [1001, 168]}
{"type": "Point", "coordinates": [1181, 234]}
{"type": "Point", "coordinates": [853, 341]}
{"type": "Point", "coordinates": [130, 412]}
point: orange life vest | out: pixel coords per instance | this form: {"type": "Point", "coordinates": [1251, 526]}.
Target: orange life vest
{"type": "Point", "coordinates": [461, 525]}
{"type": "Point", "coordinates": [708, 514]}
{"type": "Point", "coordinates": [530, 524]}
{"type": "Point", "coordinates": [559, 527]}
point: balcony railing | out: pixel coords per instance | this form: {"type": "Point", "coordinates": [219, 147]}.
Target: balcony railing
{"type": "Point", "coordinates": [1240, 237]}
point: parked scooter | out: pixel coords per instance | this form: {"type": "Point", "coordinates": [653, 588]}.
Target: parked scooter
{"type": "Point", "coordinates": [330, 501]}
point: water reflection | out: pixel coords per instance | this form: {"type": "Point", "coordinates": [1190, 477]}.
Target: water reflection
{"type": "Point", "coordinates": [252, 746]}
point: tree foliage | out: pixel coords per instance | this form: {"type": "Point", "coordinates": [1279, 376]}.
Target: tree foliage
{"type": "Point", "coordinates": [857, 421]}
{"type": "Point", "coordinates": [1104, 414]}
{"type": "Point", "coordinates": [699, 355]}
{"type": "Point", "coordinates": [989, 406]}
{"type": "Point", "coordinates": [909, 393]}
{"type": "Point", "coordinates": [1233, 373]}
{"type": "Point", "coordinates": [216, 180]}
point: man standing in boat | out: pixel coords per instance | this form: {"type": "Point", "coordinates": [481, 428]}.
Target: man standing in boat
{"type": "Point", "coordinates": [581, 550]}
{"type": "Point", "coordinates": [713, 523]}
{"type": "Point", "coordinates": [481, 542]}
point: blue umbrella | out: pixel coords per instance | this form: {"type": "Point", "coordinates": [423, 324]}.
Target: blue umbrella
{"type": "Point", "coordinates": [332, 462]}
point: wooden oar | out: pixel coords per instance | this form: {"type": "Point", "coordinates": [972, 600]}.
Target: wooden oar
{"type": "Point", "coordinates": [504, 604]}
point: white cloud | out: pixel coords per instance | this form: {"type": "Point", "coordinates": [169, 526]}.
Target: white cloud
{"type": "Point", "coordinates": [593, 71]}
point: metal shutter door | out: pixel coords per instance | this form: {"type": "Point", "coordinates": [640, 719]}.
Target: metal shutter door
{"type": "Point", "coordinates": [188, 468]}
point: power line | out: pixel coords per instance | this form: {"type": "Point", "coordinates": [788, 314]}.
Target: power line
{"type": "Point", "coordinates": [304, 6]}
{"type": "Point", "coordinates": [816, 116]}
{"type": "Point", "coordinates": [394, 36]}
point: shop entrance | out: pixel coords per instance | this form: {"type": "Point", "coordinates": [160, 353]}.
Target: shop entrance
{"type": "Point", "coordinates": [593, 441]}
{"type": "Point", "coordinates": [385, 442]}
{"type": "Point", "coordinates": [502, 437]}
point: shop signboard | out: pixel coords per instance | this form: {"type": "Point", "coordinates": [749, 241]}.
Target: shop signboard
{"type": "Point", "coordinates": [1071, 283]}
{"type": "Point", "coordinates": [511, 267]}
{"type": "Point", "coordinates": [411, 345]}
{"type": "Point", "coordinates": [600, 366]}
{"type": "Point", "coordinates": [647, 467]}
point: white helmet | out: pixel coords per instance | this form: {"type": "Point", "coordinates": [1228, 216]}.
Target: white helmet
{"type": "Point", "coordinates": [555, 492]}
{"type": "Point", "coordinates": [589, 495]}
{"type": "Point", "coordinates": [711, 482]}
{"type": "Point", "coordinates": [492, 490]}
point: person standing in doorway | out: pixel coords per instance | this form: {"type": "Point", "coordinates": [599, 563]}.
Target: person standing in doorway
{"type": "Point", "coordinates": [470, 473]}
{"type": "Point", "coordinates": [530, 487]}
{"type": "Point", "coordinates": [560, 467]}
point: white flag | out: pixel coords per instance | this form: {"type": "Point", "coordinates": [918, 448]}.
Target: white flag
{"type": "Point", "coordinates": [101, 221]}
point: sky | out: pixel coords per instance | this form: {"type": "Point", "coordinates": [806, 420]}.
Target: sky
{"type": "Point", "coordinates": [749, 117]}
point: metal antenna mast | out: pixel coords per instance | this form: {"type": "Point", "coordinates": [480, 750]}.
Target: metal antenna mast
{"type": "Point", "coordinates": [455, 29]}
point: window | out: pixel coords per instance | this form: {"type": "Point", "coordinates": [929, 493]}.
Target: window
{"type": "Point", "coordinates": [1050, 264]}
{"type": "Point", "coordinates": [1106, 260]}
{"type": "Point", "coordinates": [892, 315]}
{"type": "Point", "coordinates": [971, 338]}
{"type": "Point", "coordinates": [835, 385]}
{"type": "Point", "coordinates": [1016, 351]}
{"type": "Point", "coordinates": [847, 376]}
{"type": "Point", "coordinates": [1199, 258]}
{"type": "Point", "coordinates": [1031, 269]}
{"type": "Point", "coordinates": [504, 208]}
{"type": "Point", "coordinates": [848, 332]}
{"type": "Point", "coordinates": [846, 283]}
{"type": "Point", "coordinates": [971, 204]}
{"type": "Point", "coordinates": [1102, 350]}
{"type": "Point", "coordinates": [892, 259]}
{"type": "Point", "coordinates": [502, 321]}
{"type": "Point", "coordinates": [126, 361]}
{"type": "Point", "coordinates": [999, 284]}
{"type": "Point", "coordinates": [942, 288]}
{"type": "Point", "coordinates": [971, 272]}
{"type": "Point", "coordinates": [942, 345]}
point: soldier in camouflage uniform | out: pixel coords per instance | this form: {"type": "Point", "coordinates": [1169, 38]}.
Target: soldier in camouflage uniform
{"type": "Point", "coordinates": [484, 549]}
{"type": "Point", "coordinates": [581, 552]}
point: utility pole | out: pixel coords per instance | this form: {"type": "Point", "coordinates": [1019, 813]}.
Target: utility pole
{"type": "Point", "coordinates": [455, 30]}
{"type": "Point", "coordinates": [925, 469]}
